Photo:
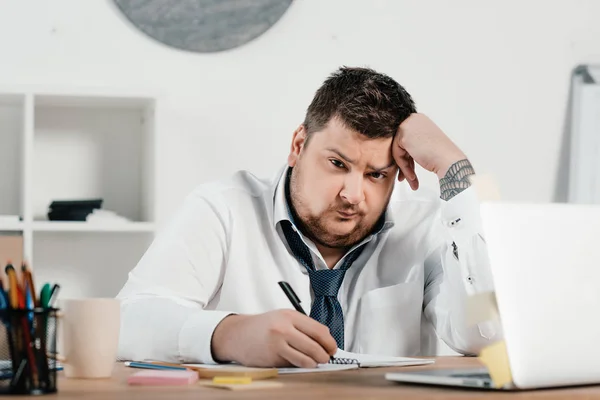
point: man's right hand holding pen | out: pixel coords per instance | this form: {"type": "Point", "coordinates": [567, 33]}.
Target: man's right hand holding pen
{"type": "Point", "coordinates": [278, 338]}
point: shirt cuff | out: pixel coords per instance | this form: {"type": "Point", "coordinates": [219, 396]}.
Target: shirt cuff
{"type": "Point", "coordinates": [461, 213]}
{"type": "Point", "coordinates": [195, 338]}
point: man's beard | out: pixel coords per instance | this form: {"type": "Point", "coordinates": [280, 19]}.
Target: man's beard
{"type": "Point", "coordinates": [314, 227]}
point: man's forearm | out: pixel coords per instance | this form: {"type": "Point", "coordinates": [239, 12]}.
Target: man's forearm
{"type": "Point", "coordinates": [163, 329]}
{"type": "Point", "coordinates": [456, 179]}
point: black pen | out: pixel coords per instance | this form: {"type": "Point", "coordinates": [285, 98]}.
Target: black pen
{"type": "Point", "coordinates": [295, 300]}
{"type": "Point", "coordinates": [291, 295]}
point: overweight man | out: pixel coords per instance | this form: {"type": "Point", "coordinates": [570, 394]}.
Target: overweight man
{"type": "Point", "coordinates": [371, 257]}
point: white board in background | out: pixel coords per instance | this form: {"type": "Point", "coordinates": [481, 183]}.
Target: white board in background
{"type": "Point", "coordinates": [584, 165]}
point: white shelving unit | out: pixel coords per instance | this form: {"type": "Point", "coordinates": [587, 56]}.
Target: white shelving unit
{"type": "Point", "coordinates": [77, 145]}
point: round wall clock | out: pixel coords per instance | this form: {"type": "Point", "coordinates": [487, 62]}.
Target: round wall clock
{"type": "Point", "coordinates": [203, 25]}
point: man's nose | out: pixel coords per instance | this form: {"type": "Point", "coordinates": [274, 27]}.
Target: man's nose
{"type": "Point", "coordinates": [353, 190]}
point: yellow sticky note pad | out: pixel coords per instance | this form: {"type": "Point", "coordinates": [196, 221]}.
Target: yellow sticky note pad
{"type": "Point", "coordinates": [232, 380]}
{"type": "Point", "coordinates": [495, 358]}
{"type": "Point", "coordinates": [240, 387]}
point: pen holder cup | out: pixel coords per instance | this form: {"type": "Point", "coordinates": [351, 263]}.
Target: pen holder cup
{"type": "Point", "coordinates": [27, 350]}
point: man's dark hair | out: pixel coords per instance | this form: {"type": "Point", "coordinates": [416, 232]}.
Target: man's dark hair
{"type": "Point", "coordinates": [364, 100]}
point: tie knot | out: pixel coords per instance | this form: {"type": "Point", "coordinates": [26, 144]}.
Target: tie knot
{"type": "Point", "coordinates": [326, 282]}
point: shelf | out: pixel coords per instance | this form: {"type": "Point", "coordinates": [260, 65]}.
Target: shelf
{"type": "Point", "coordinates": [78, 144]}
{"type": "Point", "coordinates": [18, 226]}
{"type": "Point", "coordinates": [75, 226]}
{"type": "Point", "coordinates": [89, 153]}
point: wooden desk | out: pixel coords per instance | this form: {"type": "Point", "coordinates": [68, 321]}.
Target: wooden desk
{"type": "Point", "coordinates": [354, 384]}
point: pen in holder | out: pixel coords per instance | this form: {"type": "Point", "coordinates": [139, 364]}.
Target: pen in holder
{"type": "Point", "coordinates": [27, 349]}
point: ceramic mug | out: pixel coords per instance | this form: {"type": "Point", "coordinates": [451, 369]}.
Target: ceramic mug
{"type": "Point", "coordinates": [88, 336]}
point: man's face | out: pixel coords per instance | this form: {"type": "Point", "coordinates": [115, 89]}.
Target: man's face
{"type": "Point", "coordinates": [341, 183]}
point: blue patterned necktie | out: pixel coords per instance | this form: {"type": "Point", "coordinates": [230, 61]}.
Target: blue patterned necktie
{"type": "Point", "coordinates": [325, 284]}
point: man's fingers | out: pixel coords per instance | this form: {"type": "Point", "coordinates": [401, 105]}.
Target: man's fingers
{"type": "Point", "coordinates": [401, 176]}
{"type": "Point", "coordinates": [318, 332]}
{"type": "Point", "coordinates": [414, 183]}
{"type": "Point", "coordinates": [403, 160]}
{"type": "Point", "coordinates": [405, 169]}
{"type": "Point", "coordinates": [296, 358]}
{"type": "Point", "coordinates": [307, 346]}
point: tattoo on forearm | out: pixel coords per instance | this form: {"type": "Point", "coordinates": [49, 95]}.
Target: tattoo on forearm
{"type": "Point", "coordinates": [456, 179]}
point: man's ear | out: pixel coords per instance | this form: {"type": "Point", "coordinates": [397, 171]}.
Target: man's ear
{"type": "Point", "coordinates": [298, 142]}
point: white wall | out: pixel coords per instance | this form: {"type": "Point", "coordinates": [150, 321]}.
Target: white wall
{"type": "Point", "coordinates": [493, 74]}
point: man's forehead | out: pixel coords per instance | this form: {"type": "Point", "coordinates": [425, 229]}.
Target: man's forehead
{"type": "Point", "coordinates": [354, 148]}
{"type": "Point", "coordinates": [340, 133]}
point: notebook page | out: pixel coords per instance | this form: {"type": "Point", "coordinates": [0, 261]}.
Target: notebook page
{"type": "Point", "coordinates": [291, 370]}
{"type": "Point", "coordinates": [371, 360]}
{"type": "Point", "coordinates": [320, 368]}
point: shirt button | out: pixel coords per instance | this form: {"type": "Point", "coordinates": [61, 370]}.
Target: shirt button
{"type": "Point", "coordinates": [470, 279]}
{"type": "Point", "coordinates": [454, 222]}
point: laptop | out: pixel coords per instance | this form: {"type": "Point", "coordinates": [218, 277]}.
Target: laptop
{"type": "Point", "coordinates": [545, 263]}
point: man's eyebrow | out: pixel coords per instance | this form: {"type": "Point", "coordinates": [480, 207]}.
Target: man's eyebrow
{"type": "Point", "coordinates": [369, 166]}
{"type": "Point", "coordinates": [342, 156]}
{"type": "Point", "coordinates": [349, 160]}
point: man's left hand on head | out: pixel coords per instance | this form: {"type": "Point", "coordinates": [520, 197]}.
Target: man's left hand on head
{"type": "Point", "coordinates": [419, 140]}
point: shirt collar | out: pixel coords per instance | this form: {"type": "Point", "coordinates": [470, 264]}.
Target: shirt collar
{"type": "Point", "coordinates": [281, 209]}
{"type": "Point", "coordinates": [280, 206]}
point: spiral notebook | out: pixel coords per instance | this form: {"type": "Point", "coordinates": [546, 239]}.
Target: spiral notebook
{"type": "Point", "coordinates": [346, 360]}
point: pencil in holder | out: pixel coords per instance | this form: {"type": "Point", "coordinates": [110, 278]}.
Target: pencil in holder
{"type": "Point", "coordinates": [27, 349]}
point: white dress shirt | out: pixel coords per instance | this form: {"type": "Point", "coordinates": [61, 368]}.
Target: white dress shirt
{"type": "Point", "coordinates": [224, 253]}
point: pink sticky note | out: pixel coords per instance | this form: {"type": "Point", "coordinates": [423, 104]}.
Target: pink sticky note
{"type": "Point", "coordinates": [160, 377]}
